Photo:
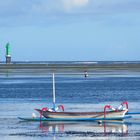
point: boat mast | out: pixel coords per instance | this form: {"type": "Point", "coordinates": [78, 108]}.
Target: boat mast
{"type": "Point", "coordinates": [53, 91]}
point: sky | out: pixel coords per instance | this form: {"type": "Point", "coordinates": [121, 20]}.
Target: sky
{"type": "Point", "coordinates": [70, 30]}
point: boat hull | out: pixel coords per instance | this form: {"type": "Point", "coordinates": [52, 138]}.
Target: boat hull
{"type": "Point", "coordinates": [83, 115]}
{"type": "Point", "coordinates": [115, 119]}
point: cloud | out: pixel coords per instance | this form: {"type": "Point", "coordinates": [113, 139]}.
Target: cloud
{"type": "Point", "coordinates": [27, 7]}
{"type": "Point", "coordinates": [70, 4]}
{"type": "Point", "coordinates": [58, 6]}
{"type": "Point", "coordinates": [35, 11]}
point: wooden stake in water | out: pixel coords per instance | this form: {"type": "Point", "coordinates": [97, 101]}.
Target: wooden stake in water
{"type": "Point", "coordinates": [53, 91]}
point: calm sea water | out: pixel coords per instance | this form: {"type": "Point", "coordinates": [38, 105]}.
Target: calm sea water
{"type": "Point", "coordinates": [20, 95]}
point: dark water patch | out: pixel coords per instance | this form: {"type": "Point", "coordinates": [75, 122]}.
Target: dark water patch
{"type": "Point", "coordinates": [28, 134]}
{"type": "Point", "coordinates": [76, 134]}
{"type": "Point", "coordinates": [92, 134]}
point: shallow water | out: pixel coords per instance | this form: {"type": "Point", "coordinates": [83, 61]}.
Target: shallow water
{"type": "Point", "coordinates": [20, 95]}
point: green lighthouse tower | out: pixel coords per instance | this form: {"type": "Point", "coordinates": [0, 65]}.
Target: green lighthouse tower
{"type": "Point", "coordinates": [8, 54]}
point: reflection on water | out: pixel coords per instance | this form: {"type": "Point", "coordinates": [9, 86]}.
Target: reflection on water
{"type": "Point", "coordinates": [16, 129]}
{"type": "Point", "coordinates": [84, 128]}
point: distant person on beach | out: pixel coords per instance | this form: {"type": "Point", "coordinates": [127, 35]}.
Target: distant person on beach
{"type": "Point", "coordinates": [85, 74]}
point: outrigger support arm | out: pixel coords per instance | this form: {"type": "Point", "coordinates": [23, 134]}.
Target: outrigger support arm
{"type": "Point", "coordinates": [125, 103]}
{"type": "Point", "coordinates": [107, 106]}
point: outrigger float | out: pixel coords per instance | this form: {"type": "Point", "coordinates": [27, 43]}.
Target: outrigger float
{"type": "Point", "coordinates": [58, 113]}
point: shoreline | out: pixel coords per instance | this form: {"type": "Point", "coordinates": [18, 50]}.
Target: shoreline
{"type": "Point", "coordinates": [55, 66]}
{"type": "Point", "coordinates": [70, 68]}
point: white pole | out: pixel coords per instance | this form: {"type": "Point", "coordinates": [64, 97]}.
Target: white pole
{"type": "Point", "coordinates": [53, 91]}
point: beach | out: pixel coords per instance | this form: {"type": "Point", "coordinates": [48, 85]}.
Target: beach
{"type": "Point", "coordinates": [24, 89]}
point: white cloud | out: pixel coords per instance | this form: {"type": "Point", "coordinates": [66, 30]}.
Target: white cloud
{"type": "Point", "coordinates": [71, 4]}
{"type": "Point", "coordinates": [58, 6]}
{"type": "Point", "coordinates": [44, 11]}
